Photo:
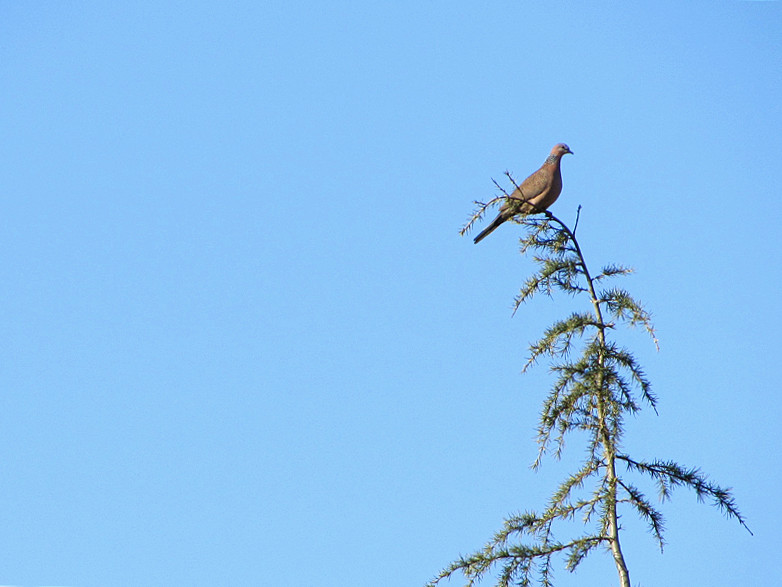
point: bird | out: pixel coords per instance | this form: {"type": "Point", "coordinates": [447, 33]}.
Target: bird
{"type": "Point", "coordinates": [535, 194]}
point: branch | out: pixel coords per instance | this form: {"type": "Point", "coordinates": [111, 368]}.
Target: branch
{"type": "Point", "coordinates": [646, 510]}
{"type": "Point", "coordinates": [478, 213]}
{"type": "Point", "coordinates": [668, 475]}
{"type": "Point", "coordinates": [575, 224]}
{"type": "Point", "coordinates": [517, 561]}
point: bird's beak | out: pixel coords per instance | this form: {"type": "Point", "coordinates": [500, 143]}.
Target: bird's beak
{"type": "Point", "coordinates": [569, 151]}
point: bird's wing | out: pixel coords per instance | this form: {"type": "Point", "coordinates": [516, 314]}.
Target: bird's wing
{"type": "Point", "coordinates": [532, 187]}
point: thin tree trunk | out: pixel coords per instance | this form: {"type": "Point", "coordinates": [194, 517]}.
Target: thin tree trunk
{"type": "Point", "coordinates": [606, 440]}
{"type": "Point", "coordinates": [613, 524]}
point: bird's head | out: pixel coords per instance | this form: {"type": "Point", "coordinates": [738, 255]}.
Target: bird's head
{"type": "Point", "coordinates": [561, 149]}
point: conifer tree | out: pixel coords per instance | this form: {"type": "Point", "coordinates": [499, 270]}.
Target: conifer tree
{"type": "Point", "coordinates": [597, 384]}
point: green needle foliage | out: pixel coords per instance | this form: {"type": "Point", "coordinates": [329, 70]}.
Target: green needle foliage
{"type": "Point", "coordinates": [597, 384]}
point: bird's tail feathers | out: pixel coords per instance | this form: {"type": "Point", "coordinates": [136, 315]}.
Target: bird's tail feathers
{"type": "Point", "coordinates": [489, 229]}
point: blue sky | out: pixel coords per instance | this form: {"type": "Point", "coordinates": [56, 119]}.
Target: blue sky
{"type": "Point", "coordinates": [243, 342]}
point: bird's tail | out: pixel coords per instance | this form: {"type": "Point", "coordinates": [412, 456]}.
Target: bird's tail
{"type": "Point", "coordinates": [489, 229]}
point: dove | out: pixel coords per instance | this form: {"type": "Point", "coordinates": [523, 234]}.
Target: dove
{"type": "Point", "coordinates": [535, 194]}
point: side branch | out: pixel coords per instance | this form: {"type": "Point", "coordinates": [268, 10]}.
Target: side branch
{"type": "Point", "coordinates": [479, 212]}
{"type": "Point", "coordinates": [668, 475]}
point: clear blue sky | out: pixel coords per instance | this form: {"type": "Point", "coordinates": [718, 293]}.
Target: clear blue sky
{"type": "Point", "coordinates": [243, 342]}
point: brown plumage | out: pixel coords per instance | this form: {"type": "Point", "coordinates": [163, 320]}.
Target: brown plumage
{"type": "Point", "coordinates": [535, 194]}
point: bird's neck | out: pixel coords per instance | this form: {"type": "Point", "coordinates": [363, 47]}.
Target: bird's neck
{"type": "Point", "coordinates": [552, 160]}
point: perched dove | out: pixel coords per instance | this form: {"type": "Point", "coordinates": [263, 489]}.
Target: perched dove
{"type": "Point", "coordinates": [535, 194]}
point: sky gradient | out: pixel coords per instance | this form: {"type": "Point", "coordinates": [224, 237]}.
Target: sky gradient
{"type": "Point", "coordinates": [244, 344]}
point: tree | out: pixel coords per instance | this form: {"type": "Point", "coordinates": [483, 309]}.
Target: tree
{"type": "Point", "coordinates": [597, 384]}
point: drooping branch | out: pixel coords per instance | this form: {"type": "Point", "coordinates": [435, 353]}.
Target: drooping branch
{"type": "Point", "coordinates": [668, 475]}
